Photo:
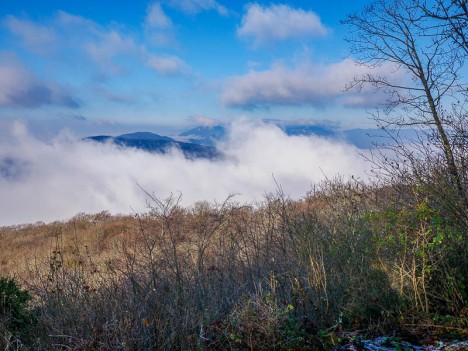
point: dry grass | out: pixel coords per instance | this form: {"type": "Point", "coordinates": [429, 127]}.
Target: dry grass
{"type": "Point", "coordinates": [82, 239]}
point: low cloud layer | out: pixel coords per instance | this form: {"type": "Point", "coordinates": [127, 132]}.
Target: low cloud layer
{"type": "Point", "coordinates": [58, 179]}
{"type": "Point", "coordinates": [266, 25]}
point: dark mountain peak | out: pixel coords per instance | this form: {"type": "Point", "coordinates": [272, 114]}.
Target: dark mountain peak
{"type": "Point", "coordinates": [100, 138]}
{"type": "Point", "coordinates": [144, 136]}
{"type": "Point", "coordinates": [151, 142]}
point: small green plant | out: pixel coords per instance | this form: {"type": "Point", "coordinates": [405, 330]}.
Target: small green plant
{"type": "Point", "coordinates": [14, 312]}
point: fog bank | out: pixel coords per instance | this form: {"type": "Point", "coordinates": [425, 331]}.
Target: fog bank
{"type": "Point", "coordinates": [46, 181]}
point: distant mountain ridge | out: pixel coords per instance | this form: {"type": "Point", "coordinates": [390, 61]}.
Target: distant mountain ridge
{"type": "Point", "coordinates": [361, 138]}
{"type": "Point", "coordinates": [144, 136]}
{"type": "Point", "coordinates": [205, 135]}
{"type": "Point", "coordinates": [156, 143]}
{"type": "Point", "coordinates": [200, 142]}
{"type": "Point", "coordinates": [210, 135]}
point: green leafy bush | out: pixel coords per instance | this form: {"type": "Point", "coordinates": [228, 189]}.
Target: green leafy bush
{"type": "Point", "coordinates": [15, 316]}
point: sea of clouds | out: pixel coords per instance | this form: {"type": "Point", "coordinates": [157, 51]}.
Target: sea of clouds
{"type": "Point", "coordinates": [56, 179]}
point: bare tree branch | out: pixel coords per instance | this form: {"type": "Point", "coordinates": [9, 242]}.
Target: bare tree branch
{"type": "Point", "coordinates": [427, 42]}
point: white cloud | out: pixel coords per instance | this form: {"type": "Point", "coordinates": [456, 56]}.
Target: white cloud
{"type": "Point", "coordinates": [57, 179]}
{"type": "Point", "coordinates": [66, 19]}
{"type": "Point", "coordinates": [36, 37]}
{"type": "Point", "coordinates": [108, 45]}
{"type": "Point", "coordinates": [21, 88]}
{"type": "Point", "coordinates": [306, 84]}
{"type": "Point", "coordinates": [195, 6]}
{"type": "Point", "coordinates": [279, 22]}
{"type": "Point", "coordinates": [98, 51]}
{"type": "Point", "coordinates": [158, 26]}
{"type": "Point", "coordinates": [85, 39]}
{"type": "Point", "coordinates": [118, 97]}
{"type": "Point", "coordinates": [167, 65]}
{"type": "Point", "coordinates": [76, 37]}
{"type": "Point", "coordinates": [157, 18]}
{"type": "Point", "coordinates": [102, 45]}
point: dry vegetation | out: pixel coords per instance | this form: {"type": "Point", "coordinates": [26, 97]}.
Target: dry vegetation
{"type": "Point", "coordinates": [79, 239]}
{"type": "Point", "coordinates": [280, 274]}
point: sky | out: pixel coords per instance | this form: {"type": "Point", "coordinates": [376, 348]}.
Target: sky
{"type": "Point", "coordinates": [70, 69]}
{"type": "Point", "coordinates": [163, 65]}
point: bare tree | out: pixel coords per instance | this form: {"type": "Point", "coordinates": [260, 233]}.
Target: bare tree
{"type": "Point", "coordinates": [452, 17]}
{"type": "Point", "coordinates": [426, 68]}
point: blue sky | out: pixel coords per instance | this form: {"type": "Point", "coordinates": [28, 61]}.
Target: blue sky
{"type": "Point", "coordinates": [94, 65]}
